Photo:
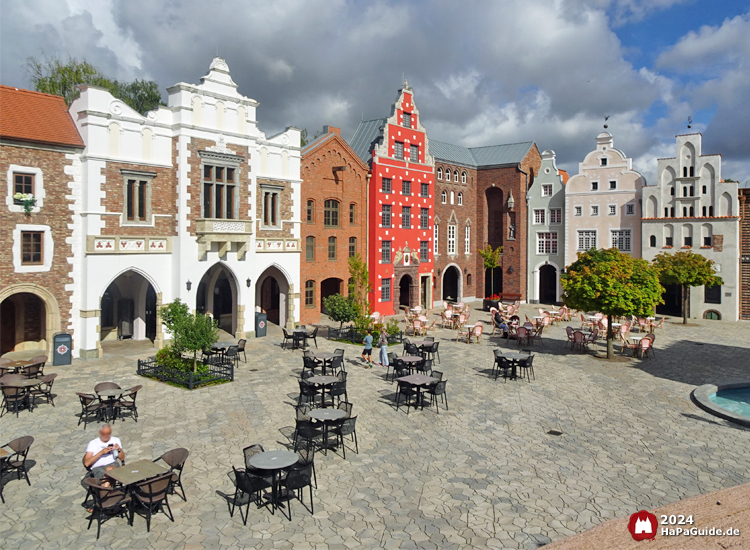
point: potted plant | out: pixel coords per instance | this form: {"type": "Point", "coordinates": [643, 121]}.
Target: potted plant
{"type": "Point", "coordinates": [491, 301]}
{"type": "Point", "coordinates": [26, 200]}
{"type": "Point", "coordinates": [491, 259]}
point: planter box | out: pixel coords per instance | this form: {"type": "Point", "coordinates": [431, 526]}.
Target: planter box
{"type": "Point", "coordinates": [487, 304]}
{"type": "Point", "coordinates": [216, 372]}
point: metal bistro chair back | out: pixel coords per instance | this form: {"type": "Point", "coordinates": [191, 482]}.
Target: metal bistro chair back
{"type": "Point", "coordinates": [33, 371]}
{"type": "Point", "coordinates": [570, 334]}
{"type": "Point", "coordinates": [336, 390]}
{"type": "Point", "coordinates": [108, 502]}
{"type": "Point", "coordinates": [249, 452]}
{"type": "Point", "coordinates": [425, 367]}
{"type": "Point", "coordinates": [250, 485]}
{"type": "Point", "coordinates": [438, 391]}
{"type": "Point", "coordinates": [105, 386]}
{"type": "Point", "coordinates": [126, 402]}
{"type": "Point", "coordinates": [297, 478]}
{"type": "Point", "coordinates": [579, 340]}
{"type": "Point", "coordinates": [152, 496]}
{"type": "Point", "coordinates": [286, 337]}
{"type": "Point", "coordinates": [241, 349]}
{"type": "Point", "coordinates": [232, 355]}
{"type": "Point", "coordinates": [16, 462]}
{"type": "Point", "coordinates": [337, 363]}
{"type": "Point", "coordinates": [90, 405]}
{"type": "Point", "coordinates": [14, 397]}
{"type": "Point", "coordinates": [307, 392]}
{"type": "Point", "coordinates": [45, 389]}
{"type": "Point", "coordinates": [436, 374]}
{"type": "Point", "coordinates": [303, 410]}
{"type": "Point", "coordinates": [346, 407]}
{"type": "Point", "coordinates": [176, 459]}
{"type": "Point", "coordinates": [347, 426]}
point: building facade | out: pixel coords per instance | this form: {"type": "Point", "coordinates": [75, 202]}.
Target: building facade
{"type": "Point", "coordinates": [400, 206]}
{"type": "Point", "coordinates": [545, 201]}
{"type": "Point", "coordinates": [190, 201]}
{"type": "Point", "coordinates": [39, 157]}
{"type": "Point", "coordinates": [603, 203]}
{"type": "Point", "coordinates": [334, 220]}
{"type": "Point", "coordinates": [691, 208]}
{"type": "Point", "coordinates": [744, 195]}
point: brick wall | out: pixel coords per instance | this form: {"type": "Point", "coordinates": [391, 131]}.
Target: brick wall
{"type": "Point", "coordinates": [319, 183]}
{"type": "Point", "coordinates": [744, 251]}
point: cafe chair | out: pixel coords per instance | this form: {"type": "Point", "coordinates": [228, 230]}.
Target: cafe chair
{"type": "Point", "coordinates": [108, 502]}
{"type": "Point", "coordinates": [347, 426]}
{"type": "Point", "coordinates": [232, 356]}
{"type": "Point", "coordinates": [307, 457]}
{"type": "Point", "coordinates": [307, 432]}
{"type": "Point", "coordinates": [241, 349]}
{"type": "Point", "coordinates": [16, 460]}
{"type": "Point", "coordinates": [151, 496]}
{"type": "Point", "coordinates": [175, 459]}
{"type": "Point", "coordinates": [527, 366]}
{"type": "Point", "coordinates": [405, 390]}
{"type": "Point", "coordinates": [286, 338]}
{"type": "Point", "coordinates": [250, 485]}
{"type": "Point", "coordinates": [314, 336]}
{"type": "Point", "coordinates": [126, 402]}
{"type": "Point", "coordinates": [90, 405]}
{"type": "Point", "coordinates": [45, 389]}
{"type": "Point", "coordinates": [33, 370]}
{"type": "Point", "coordinates": [297, 478]}
{"type": "Point", "coordinates": [435, 391]}
{"type": "Point", "coordinates": [13, 397]}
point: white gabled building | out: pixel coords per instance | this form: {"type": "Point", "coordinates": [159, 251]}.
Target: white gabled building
{"type": "Point", "coordinates": [691, 208]}
{"type": "Point", "coordinates": [190, 201]}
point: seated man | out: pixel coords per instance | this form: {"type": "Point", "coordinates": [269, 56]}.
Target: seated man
{"type": "Point", "coordinates": [103, 453]}
{"type": "Point", "coordinates": [501, 323]}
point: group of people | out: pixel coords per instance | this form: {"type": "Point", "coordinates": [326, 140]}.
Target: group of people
{"type": "Point", "coordinates": [382, 344]}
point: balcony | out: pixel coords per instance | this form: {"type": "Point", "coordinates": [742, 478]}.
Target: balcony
{"type": "Point", "coordinates": [224, 232]}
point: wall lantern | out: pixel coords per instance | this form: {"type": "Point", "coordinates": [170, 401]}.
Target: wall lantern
{"type": "Point", "coordinates": [189, 285]}
{"type": "Point", "coordinates": [511, 201]}
{"type": "Point", "coordinates": [248, 282]}
{"type": "Point", "coordinates": [510, 269]}
{"type": "Point", "coordinates": [439, 272]}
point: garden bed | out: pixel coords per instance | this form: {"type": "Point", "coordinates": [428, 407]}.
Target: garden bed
{"type": "Point", "coordinates": [208, 374]}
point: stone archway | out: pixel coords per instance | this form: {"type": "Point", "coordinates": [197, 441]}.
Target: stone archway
{"type": "Point", "coordinates": [47, 322]}
{"type": "Point", "coordinates": [273, 295]}
{"type": "Point", "coordinates": [130, 309]}
{"type": "Point", "coordinates": [218, 295]}
{"type": "Point", "coordinates": [452, 284]}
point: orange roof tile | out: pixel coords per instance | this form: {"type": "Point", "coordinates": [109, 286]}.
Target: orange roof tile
{"type": "Point", "coordinates": [36, 117]}
{"type": "Point", "coordinates": [565, 176]}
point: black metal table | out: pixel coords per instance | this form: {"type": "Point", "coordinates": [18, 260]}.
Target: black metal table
{"type": "Point", "coordinates": [326, 416]}
{"type": "Point", "coordinates": [322, 381]}
{"type": "Point", "coordinates": [418, 381]}
{"type": "Point", "coordinates": [274, 462]}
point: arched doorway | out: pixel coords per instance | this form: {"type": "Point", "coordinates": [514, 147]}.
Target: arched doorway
{"type": "Point", "coordinates": [547, 284]}
{"type": "Point", "coordinates": [494, 197]}
{"type": "Point", "coordinates": [23, 323]}
{"type": "Point", "coordinates": [273, 296]}
{"type": "Point", "coordinates": [129, 309]}
{"type": "Point", "coordinates": [451, 278]}
{"type": "Point", "coordinates": [672, 301]}
{"type": "Point", "coordinates": [404, 291]}
{"type": "Point", "coordinates": [270, 297]}
{"type": "Point", "coordinates": [217, 295]}
{"type": "Point", "coordinates": [329, 287]}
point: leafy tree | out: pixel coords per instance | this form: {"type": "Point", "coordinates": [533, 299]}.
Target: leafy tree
{"type": "Point", "coordinates": [359, 285]}
{"type": "Point", "coordinates": [305, 137]}
{"type": "Point", "coordinates": [612, 283]}
{"type": "Point", "coordinates": [57, 76]}
{"type": "Point", "coordinates": [687, 269]}
{"type": "Point", "coordinates": [491, 259]}
{"type": "Point", "coordinates": [190, 332]}
{"type": "Point", "coordinates": [340, 308]}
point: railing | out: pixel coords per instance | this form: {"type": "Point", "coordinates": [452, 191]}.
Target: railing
{"type": "Point", "coordinates": [351, 334]}
{"type": "Point", "coordinates": [218, 370]}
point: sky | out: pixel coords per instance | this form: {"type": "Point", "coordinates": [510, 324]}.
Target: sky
{"type": "Point", "coordinates": [483, 72]}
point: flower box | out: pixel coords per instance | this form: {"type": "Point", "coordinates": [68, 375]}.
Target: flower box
{"type": "Point", "coordinates": [487, 303]}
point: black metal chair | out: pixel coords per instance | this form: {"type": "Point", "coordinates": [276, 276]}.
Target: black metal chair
{"type": "Point", "coordinates": [314, 336]}
{"type": "Point", "coordinates": [249, 452]}
{"type": "Point", "coordinates": [424, 367]}
{"type": "Point", "coordinates": [126, 402]}
{"type": "Point", "coordinates": [406, 390]}
{"type": "Point", "coordinates": [336, 390]}
{"type": "Point", "coordinates": [152, 496]}
{"type": "Point", "coordinates": [90, 405]}
{"type": "Point", "coordinates": [437, 375]}
{"type": "Point", "coordinates": [299, 340]}
{"type": "Point", "coordinates": [14, 398]}
{"type": "Point", "coordinates": [108, 502]}
{"type": "Point", "coordinates": [16, 461]}
{"type": "Point", "coordinates": [175, 459]}
{"type": "Point", "coordinates": [392, 358]}
{"type": "Point", "coordinates": [433, 352]}
{"type": "Point", "coordinates": [309, 364]}
{"type": "Point", "coordinates": [241, 349]}
{"type": "Point", "coordinates": [346, 407]}
{"type": "Point", "coordinates": [286, 338]}
{"type": "Point", "coordinates": [411, 349]}
{"type": "Point", "coordinates": [342, 376]}
{"type": "Point", "coordinates": [297, 478]}
{"type": "Point", "coordinates": [307, 431]}
{"type": "Point", "coordinates": [435, 391]}
{"type": "Point", "coordinates": [232, 355]}
{"type": "Point", "coordinates": [302, 410]}
{"type": "Point", "coordinates": [307, 392]}
{"type": "Point", "coordinates": [527, 366]}
{"type": "Point", "coordinates": [252, 486]}
{"type": "Point", "coordinates": [45, 389]}
{"type": "Point", "coordinates": [337, 363]}
{"type": "Point", "coordinates": [347, 426]}
{"type": "Point", "coordinates": [307, 457]}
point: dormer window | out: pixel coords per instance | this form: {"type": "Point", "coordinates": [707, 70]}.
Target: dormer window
{"type": "Point", "coordinates": [603, 161]}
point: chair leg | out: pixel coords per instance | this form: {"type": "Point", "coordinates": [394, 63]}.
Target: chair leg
{"type": "Point", "coordinates": [234, 501]}
{"type": "Point", "coordinates": [356, 449]}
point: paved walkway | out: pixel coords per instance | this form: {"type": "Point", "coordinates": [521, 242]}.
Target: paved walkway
{"type": "Point", "coordinates": [485, 474]}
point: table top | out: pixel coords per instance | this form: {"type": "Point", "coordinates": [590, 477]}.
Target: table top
{"type": "Point", "coordinates": [322, 354]}
{"type": "Point", "coordinates": [327, 414]}
{"type": "Point", "coordinates": [411, 358]}
{"type": "Point", "coordinates": [3, 452]}
{"type": "Point", "coordinates": [516, 355]}
{"type": "Point", "coordinates": [419, 343]}
{"type": "Point", "coordinates": [300, 330]}
{"type": "Point", "coordinates": [110, 392]}
{"type": "Point", "coordinates": [273, 460]}
{"type": "Point", "coordinates": [16, 364]}
{"type": "Point", "coordinates": [636, 338]}
{"type": "Point", "coordinates": [616, 324]}
{"type": "Point", "coordinates": [222, 345]}
{"type": "Point", "coordinates": [26, 383]}
{"type": "Point", "coordinates": [417, 380]}
{"type": "Point", "coordinates": [325, 380]}
{"type": "Point", "coordinates": [538, 317]}
{"type": "Point", "coordinates": [137, 471]}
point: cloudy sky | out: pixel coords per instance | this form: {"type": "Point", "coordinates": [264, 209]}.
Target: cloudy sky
{"type": "Point", "coordinates": [483, 72]}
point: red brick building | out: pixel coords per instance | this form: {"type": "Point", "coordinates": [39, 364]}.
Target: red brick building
{"type": "Point", "coordinates": [744, 191]}
{"type": "Point", "coordinates": [39, 155]}
{"type": "Point", "coordinates": [401, 206]}
{"type": "Point", "coordinates": [334, 218]}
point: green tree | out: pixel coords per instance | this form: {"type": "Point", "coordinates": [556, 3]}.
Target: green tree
{"type": "Point", "coordinates": [687, 269]}
{"type": "Point", "coordinates": [57, 76]}
{"type": "Point", "coordinates": [340, 308]}
{"type": "Point", "coordinates": [190, 332]}
{"type": "Point", "coordinates": [359, 284]}
{"type": "Point", "coordinates": [491, 259]}
{"type": "Point", "coordinates": [305, 138]}
{"type": "Point", "coordinates": [612, 283]}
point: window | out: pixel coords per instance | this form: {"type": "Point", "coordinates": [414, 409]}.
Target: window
{"type": "Point", "coordinates": [463, 177]}
{"type": "Point", "coordinates": [603, 162]}
{"type": "Point", "coordinates": [579, 211]}
{"type": "Point", "coordinates": [436, 234]}
{"type": "Point", "coordinates": [309, 293]}
{"type": "Point", "coordinates": [310, 211]}
{"type": "Point", "coordinates": [424, 218]}
{"type": "Point", "coordinates": [385, 252]}
{"type": "Point", "coordinates": [586, 240]}
{"type": "Point", "coordinates": [352, 213]}
{"type": "Point", "coordinates": [468, 279]}
{"type": "Point", "coordinates": [455, 176]}
{"type": "Point", "coordinates": [460, 199]}
{"type": "Point", "coordinates": [32, 247]}
{"type": "Point", "coordinates": [671, 191]}
{"type": "Point", "coordinates": [547, 190]}
{"type": "Point", "coordinates": [424, 190]}
{"type": "Point", "coordinates": [712, 294]}
{"type": "Point", "coordinates": [688, 242]}
{"type": "Point", "coordinates": [386, 186]}
{"type": "Point", "coordinates": [407, 120]}
{"type": "Point", "coordinates": [711, 211]}
{"type": "Point", "coordinates": [706, 241]}
{"type": "Point", "coordinates": [595, 186]}
{"type": "Point", "coordinates": [385, 290]}
{"type": "Point", "coordinates": [666, 212]}
{"type": "Point", "coordinates": [414, 153]}
{"type": "Point", "coordinates": [406, 187]}
{"type": "Point", "coordinates": [612, 184]}
{"type": "Point", "coordinates": [439, 173]}
{"type": "Point", "coordinates": [135, 200]}
{"type": "Point", "coordinates": [595, 210]}
{"type": "Point", "coordinates": [621, 239]}
{"type": "Point", "coordinates": [423, 251]}
{"type": "Point", "coordinates": [538, 216]}
{"type": "Point", "coordinates": [630, 209]}
{"type": "Point", "coordinates": [386, 216]}
{"type": "Point", "coordinates": [692, 191]}
{"type": "Point", "coordinates": [704, 211]}
{"type": "Point", "coordinates": [684, 191]}
{"type": "Point", "coordinates": [406, 217]}
{"type": "Point", "coordinates": [270, 206]}
{"type": "Point", "coordinates": [451, 239]}
{"type": "Point", "coordinates": [310, 249]}
{"type": "Point", "coordinates": [453, 196]}
{"type": "Point", "coordinates": [331, 213]}
{"type": "Point", "coordinates": [671, 212]}
{"type": "Point", "coordinates": [612, 209]}
{"type": "Point", "coordinates": [352, 246]}
{"type": "Point", "coordinates": [399, 150]}
{"type": "Point", "coordinates": [555, 216]}
{"type": "Point", "coordinates": [652, 241]}
{"type": "Point", "coordinates": [443, 197]}
{"type": "Point", "coordinates": [332, 248]}
{"type": "Point", "coordinates": [23, 183]}
{"type": "Point", "coordinates": [705, 190]}
{"type": "Point", "coordinates": [684, 211]}
{"type": "Point", "coordinates": [219, 194]}
{"type": "Point", "coordinates": [546, 242]}
{"type": "Point", "coordinates": [467, 239]}
{"type": "Point", "coordinates": [692, 211]}
{"type": "Point", "coordinates": [668, 241]}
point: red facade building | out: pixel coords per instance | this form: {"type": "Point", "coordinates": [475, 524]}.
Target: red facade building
{"type": "Point", "coordinates": [400, 206]}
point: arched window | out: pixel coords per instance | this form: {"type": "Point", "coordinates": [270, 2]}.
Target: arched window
{"type": "Point", "coordinates": [439, 173]}
{"type": "Point", "coordinates": [310, 249]}
{"type": "Point", "coordinates": [331, 213]}
{"type": "Point", "coordinates": [453, 196]}
{"type": "Point", "coordinates": [468, 280]}
{"type": "Point", "coordinates": [443, 197]}
{"type": "Point", "coordinates": [455, 176]}
{"type": "Point", "coordinates": [652, 241]}
{"type": "Point", "coordinates": [460, 199]}
{"type": "Point", "coordinates": [310, 211]}
{"type": "Point", "coordinates": [331, 248]}
{"type": "Point", "coordinates": [309, 293]}
{"type": "Point", "coordinates": [463, 177]}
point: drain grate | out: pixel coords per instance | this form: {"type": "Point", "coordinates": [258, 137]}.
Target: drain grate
{"type": "Point", "coordinates": [554, 432]}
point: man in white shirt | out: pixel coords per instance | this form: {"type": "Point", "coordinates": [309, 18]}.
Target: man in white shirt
{"type": "Point", "coordinates": [103, 452]}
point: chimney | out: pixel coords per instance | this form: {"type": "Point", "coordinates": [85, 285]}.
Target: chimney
{"type": "Point", "coordinates": [331, 130]}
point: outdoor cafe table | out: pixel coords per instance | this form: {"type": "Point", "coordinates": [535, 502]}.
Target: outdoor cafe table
{"type": "Point", "coordinates": [515, 356]}
{"type": "Point", "coordinates": [108, 397]}
{"type": "Point", "coordinates": [26, 384]}
{"type": "Point", "coordinates": [421, 343]}
{"type": "Point", "coordinates": [322, 381]}
{"type": "Point", "coordinates": [326, 416]}
{"type": "Point", "coordinates": [16, 365]}
{"type": "Point", "coordinates": [135, 472]}
{"type": "Point", "coordinates": [418, 381]}
{"type": "Point", "coordinates": [3, 452]}
{"type": "Point", "coordinates": [324, 356]}
{"type": "Point", "coordinates": [636, 340]}
{"type": "Point", "coordinates": [411, 360]}
{"type": "Point", "coordinates": [273, 461]}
